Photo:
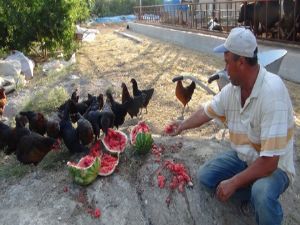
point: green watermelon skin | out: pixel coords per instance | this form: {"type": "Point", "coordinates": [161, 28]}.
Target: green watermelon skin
{"type": "Point", "coordinates": [84, 176]}
{"type": "Point", "coordinates": [143, 143]}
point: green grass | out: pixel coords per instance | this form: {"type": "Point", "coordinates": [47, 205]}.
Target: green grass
{"type": "Point", "coordinates": [54, 160]}
{"type": "Point", "coordinates": [47, 101]}
{"type": "Point", "coordinates": [13, 170]}
{"type": "Point", "coordinates": [50, 94]}
{"type": "Point", "coordinates": [52, 77]}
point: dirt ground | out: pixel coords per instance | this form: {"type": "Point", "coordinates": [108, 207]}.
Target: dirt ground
{"type": "Point", "coordinates": [112, 59]}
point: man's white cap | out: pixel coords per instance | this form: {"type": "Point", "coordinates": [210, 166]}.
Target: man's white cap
{"type": "Point", "coordinates": [240, 41]}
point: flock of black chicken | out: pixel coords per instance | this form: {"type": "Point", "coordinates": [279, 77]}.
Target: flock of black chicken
{"type": "Point", "coordinates": [32, 144]}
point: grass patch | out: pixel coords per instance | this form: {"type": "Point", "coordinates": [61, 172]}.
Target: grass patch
{"type": "Point", "coordinates": [47, 101]}
{"type": "Point", "coordinates": [14, 170]}
{"type": "Point", "coordinates": [50, 78]}
{"type": "Point", "coordinates": [54, 160]}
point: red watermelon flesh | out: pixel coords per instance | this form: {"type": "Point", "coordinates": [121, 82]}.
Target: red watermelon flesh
{"type": "Point", "coordinates": [108, 164]}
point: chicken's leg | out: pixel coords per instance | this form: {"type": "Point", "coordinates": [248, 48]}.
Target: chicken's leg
{"type": "Point", "coordinates": [182, 116]}
{"type": "Point", "coordinates": [182, 112]}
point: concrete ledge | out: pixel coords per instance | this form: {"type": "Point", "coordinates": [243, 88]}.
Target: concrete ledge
{"type": "Point", "coordinates": [131, 37]}
{"type": "Point", "coordinates": [204, 43]}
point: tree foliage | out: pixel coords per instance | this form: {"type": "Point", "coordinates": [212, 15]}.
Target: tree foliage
{"type": "Point", "coordinates": [49, 24]}
{"type": "Point", "coordinates": [119, 7]}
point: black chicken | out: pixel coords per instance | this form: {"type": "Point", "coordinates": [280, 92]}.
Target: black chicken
{"type": "Point", "coordinates": [10, 137]}
{"type": "Point", "coordinates": [53, 128]}
{"type": "Point", "coordinates": [134, 103]}
{"type": "Point", "coordinates": [136, 92]}
{"type": "Point", "coordinates": [120, 110]}
{"type": "Point", "coordinates": [94, 117]}
{"type": "Point", "coordinates": [75, 96]}
{"type": "Point", "coordinates": [33, 147]}
{"type": "Point", "coordinates": [37, 121]}
{"type": "Point", "coordinates": [95, 103]}
{"type": "Point", "coordinates": [107, 117]}
{"type": "Point", "coordinates": [84, 130]}
{"type": "Point", "coordinates": [74, 107]}
{"type": "Point", "coordinates": [69, 133]}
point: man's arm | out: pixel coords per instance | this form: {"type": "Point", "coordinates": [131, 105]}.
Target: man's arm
{"type": "Point", "coordinates": [195, 120]}
{"type": "Point", "coordinates": [261, 167]}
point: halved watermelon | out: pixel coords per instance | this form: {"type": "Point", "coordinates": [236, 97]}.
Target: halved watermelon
{"type": "Point", "coordinates": [108, 164]}
{"type": "Point", "coordinates": [115, 141]}
{"type": "Point", "coordinates": [143, 143]}
{"type": "Point", "coordinates": [140, 127]}
{"type": "Point", "coordinates": [86, 170]}
{"type": "Point", "coordinates": [95, 149]}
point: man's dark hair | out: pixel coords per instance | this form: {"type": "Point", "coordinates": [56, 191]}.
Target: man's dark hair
{"type": "Point", "coordinates": [250, 60]}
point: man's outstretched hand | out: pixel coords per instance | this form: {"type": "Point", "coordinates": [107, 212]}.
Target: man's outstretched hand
{"type": "Point", "coordinates": [174, 128]}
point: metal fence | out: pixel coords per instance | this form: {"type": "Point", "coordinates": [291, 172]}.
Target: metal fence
{"type": "Point", "coordinates": [276, 20]}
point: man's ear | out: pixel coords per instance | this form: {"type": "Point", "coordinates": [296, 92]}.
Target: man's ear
{"type": "Point", "coordinates": [242, 60]}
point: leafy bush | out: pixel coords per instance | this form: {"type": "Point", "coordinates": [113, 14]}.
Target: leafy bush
{"type": "Point", "coordinates": [49, 23]}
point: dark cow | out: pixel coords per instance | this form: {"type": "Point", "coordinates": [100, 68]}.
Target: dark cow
{"type": "Point", "coordinates": [262, 14]}
{"type": "Point", "coordinates": [247, 14]}
{"type": "Point", "coordinates": [289, 24]}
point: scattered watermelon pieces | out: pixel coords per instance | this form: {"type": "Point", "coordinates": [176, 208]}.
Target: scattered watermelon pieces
{"type": "Point", "coordinates": [157, 152]}
{"type": "Point", "coordinates": [180, 176]}
{"type": "Point", "coordinates": [161, 181]}
{"type": "Point", "coordinates": [96, 213]}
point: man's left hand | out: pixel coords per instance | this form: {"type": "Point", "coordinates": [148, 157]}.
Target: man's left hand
{"type": "Point", "coordinates": [225, 189]}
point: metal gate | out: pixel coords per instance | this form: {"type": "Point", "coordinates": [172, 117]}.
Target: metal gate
{"type": "Point", "coordinates": [275, 20]}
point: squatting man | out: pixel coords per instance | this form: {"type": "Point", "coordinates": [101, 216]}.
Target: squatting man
{"type": "Point", "coordinates": [257, 109]}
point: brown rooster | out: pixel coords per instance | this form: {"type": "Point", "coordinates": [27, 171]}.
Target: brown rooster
{"type": "Point", "coordinates": [184, 94]}
{"type": "Point", "coordinates": [3, 101]}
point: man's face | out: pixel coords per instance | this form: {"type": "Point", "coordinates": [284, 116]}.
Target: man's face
{"type": "Point", "coordinates": [233, 68]}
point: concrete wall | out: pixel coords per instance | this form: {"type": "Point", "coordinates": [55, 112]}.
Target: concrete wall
{"type": "Point", "coordinates": [290, 65]}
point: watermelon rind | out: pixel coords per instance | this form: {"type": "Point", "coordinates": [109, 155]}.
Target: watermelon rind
{"type": "Point", "coordinates": [143, 143]}
{"type": "Point", "coordinates": [84, 175]}
{"type": "Point", "coordinates": [115, 150]}
{"type": "Point", "coordinates": [112, 170]}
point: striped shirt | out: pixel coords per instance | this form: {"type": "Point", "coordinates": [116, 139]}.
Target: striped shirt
{"type": "Point", "coordinates": [264, 126]}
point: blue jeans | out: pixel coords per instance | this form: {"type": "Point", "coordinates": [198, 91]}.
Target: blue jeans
{"type": "Point", "coordinates": [263, 193]}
